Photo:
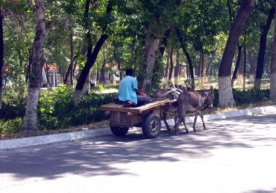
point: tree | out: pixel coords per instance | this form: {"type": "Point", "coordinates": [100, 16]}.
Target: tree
{"type": "Point", "coordinates": [188, 56]}
{"type": "Point", "coordinates": [158, 15]}
{"type": "Point", "coordinates": [91, 53]}
{"type": "Point", "coordinates": [150, 49]}
{"type": "Point", "coordinates": [237, 66]}
{"type": "Point", "coordinates": [261, 55]}
{"type": "Point", "coordinates": [1, 55]}
{"type": "Point", "coordinates": [225, 90]}
{"type": "Point", "coordinates": [273, 67]}
{"type": "Point", "coordinates": [198, 23]}
{"type": "Point", "coordinates": [30, 119]}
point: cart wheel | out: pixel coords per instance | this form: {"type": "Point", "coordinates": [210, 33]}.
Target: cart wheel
{"type": "Point", "coordinates": [119, 131]}
{"type": "Point", "coordinates": [152, 126]}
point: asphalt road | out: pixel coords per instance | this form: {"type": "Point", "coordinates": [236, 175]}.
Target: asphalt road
{"type": "Point", "coordinates": [235, 155]}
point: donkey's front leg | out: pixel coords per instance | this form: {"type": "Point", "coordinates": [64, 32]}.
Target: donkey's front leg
{"type": "Point", "coordinates": [185, 126]}
{"type": "Point", "coordinates": [165, 121]}
{"type": "Point", "coordinates": [201, 116]}
{"type": "Point", "coordinates": [176, 126]}
{"type": "Point", "coordinates": [195, 121]}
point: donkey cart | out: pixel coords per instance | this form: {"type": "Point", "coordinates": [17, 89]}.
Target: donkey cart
{"type": "Point", "coordinates": [147, 116]}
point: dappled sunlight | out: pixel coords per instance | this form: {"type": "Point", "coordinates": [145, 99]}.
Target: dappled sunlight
{"type": "Point", "coordinates": [108, 156]}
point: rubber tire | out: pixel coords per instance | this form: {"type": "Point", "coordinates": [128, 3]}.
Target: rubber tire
{"type": "Point", "coordinates": [119, 131]}
{"type": "Point", "coordinates": [152, 126]}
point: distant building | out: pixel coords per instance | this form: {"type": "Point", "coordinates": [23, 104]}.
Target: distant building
{"type": "Point", "coordinates": [50, 75]}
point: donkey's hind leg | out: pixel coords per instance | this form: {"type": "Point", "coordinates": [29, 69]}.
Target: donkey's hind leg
{"type": "Point", "coordinates": [185, 126]}
{"type": "Point", "coordinates": [165, 121]}
{"type": "Point", "coordinates": [201, 116]}
{"type": "Point", "coordinates": [180, 118]}
{"type": "Point", "coordinates": [184, 123]}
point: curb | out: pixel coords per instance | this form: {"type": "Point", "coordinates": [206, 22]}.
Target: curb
{"type": "Point", "coordinates": [54, 138]}
{"type": "Point", "coordinates": [48, 139]}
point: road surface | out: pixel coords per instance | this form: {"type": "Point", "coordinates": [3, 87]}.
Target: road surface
{"type": "Point", "coordinates": [236, 155]}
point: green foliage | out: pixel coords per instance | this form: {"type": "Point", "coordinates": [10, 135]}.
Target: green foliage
{"type": "Point", "coordinates": [88, 109]}
{"type": "Point", "coordinates": [53, 106]}
{"type": "Point", "coordinates": [57, 110]}
{"type": "Point", "coordinates": [250, 96]}
{"type": "Point", "coordinates": [204, 24]}
{"type": "Point", "coordinates": [11, 126]}
{"type": "Point", "coordinates": [13, 104]}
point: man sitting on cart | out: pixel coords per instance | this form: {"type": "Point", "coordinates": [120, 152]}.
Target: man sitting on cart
{"type": "Point", "coordinates": [128, 94]}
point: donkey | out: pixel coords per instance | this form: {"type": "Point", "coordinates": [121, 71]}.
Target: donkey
{"type": "Point", "coordinates": [193, 102]}
{"type": "Point", "coordinates": [172, 94]}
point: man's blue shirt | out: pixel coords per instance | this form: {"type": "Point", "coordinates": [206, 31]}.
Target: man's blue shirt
{"type": "Point", "coordinates": [127, 89]}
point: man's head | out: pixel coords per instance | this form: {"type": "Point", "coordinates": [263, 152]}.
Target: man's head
{"type": "Point", "coordinates": [129, 72]}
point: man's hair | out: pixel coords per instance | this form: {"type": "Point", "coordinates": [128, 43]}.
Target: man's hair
{"type": "Point", "coordinates": [129, 71]}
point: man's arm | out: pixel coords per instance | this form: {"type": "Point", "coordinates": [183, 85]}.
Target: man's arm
{"type": "Point", "coordinates": [140, 92]}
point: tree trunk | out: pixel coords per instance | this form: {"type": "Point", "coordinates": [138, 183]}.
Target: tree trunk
{"type": "Point", "coordinates": [133, 54]}
{"type": "Point", "coordinates": [273, 67]}
{"type": "Point", "coordinates": [225, 90]}
{"type": "Point", "coordinates": [171, 65]}
{"type": "Point", "coordinates": [86, 69]}
{"type": "Point", "coordinates": [229, 11]}
{"type": "Point", "coordinates": [208, 66]}
{"type": "Point", "coordinates": [201, 65]}
{"type": "Point", "coordinates": [1, 55]}
{"type": "Point", "coordinates": [189, 59]}
{"type": "Point", "coordinates": [69, 72]}
{"type": "Point", "coordinates": [262, 48]}
{"type": "Point", "coordinates": [118, 60]}
{"type": "Point", "coordinates": [244, 65]}
{"type": "Point", "coordinates": [164, 42]}
{"type": "Point", "coordinates": [252, 63]}
{"type": "Point", "coordinates": [30, 119]}
{"type": "Point", "coordinates": [177, 68]}
{"type": "Point", "coordinates": [238, 62]}
{"type": "Point", "coordinates": [91, 56]}
{"type": "Point", "coordinates": [166, 74]}
{"type": "Point", "coordinates": [102, 75]}
{"type": "Point", "coordinates": [150, 52]}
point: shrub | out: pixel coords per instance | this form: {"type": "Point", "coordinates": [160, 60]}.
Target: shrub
{"type": "Point", "coordinates": [11, 126]}
{"type": "Point", "coordinates": [246, 97]}
{"type": "Point", "coordinates": [57, 110]}
{"type": "Point", "coordinates": [250, 96]}
{"type": "Point", "coordinates": [14, 104]}
{"type": "Point", "coordinates": [88, 109]}
{"type": "Point", "coordinates": [12, 110]}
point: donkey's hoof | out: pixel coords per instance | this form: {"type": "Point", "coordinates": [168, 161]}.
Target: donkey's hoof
{"type": "Point", "coordinates": [168, 129]}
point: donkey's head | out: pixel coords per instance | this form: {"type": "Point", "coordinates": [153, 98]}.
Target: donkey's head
{"type": "Point", "coordinates": [208, 96]}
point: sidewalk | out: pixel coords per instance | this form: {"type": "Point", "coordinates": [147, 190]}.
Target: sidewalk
{"type": "Point", "coordinates": [48, 139]}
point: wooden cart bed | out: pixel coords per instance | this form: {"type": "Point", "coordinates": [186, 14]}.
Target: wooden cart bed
{"type": "Point", "coordinates": [147, 116]}
{"type": "Point", "coordinates": [135, 110]}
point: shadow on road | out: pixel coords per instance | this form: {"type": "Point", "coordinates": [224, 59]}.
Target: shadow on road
{"type": "Point", "coordinates": [98, 156]}
{"type": "Point", "coordinates": [262, 191]}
